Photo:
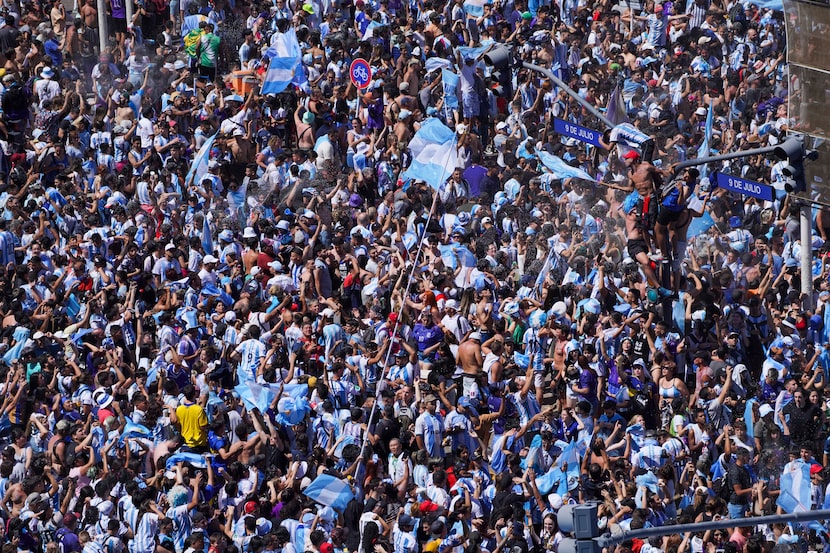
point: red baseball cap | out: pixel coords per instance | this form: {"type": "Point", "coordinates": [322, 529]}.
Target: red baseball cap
{"type": "Point", "coordinates": [250, 507]}
{"type": "Point", "coordinates": [631, 154]}
{"type": "Point", "coordinates": [429, 506]}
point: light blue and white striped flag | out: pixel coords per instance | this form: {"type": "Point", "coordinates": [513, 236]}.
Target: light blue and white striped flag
{"type": "Point", "coordinates": [434, 153]}
{"type": "Point", "coordinates": [569, 463]}
{"type": "Point", "coordinates": [370, 30]}
{"type": "Point", "coordinates": [255, 396]}
{"type": "Point", "coordinates": [20, 337]}
{"type": "Point", "coordinates": [133, 430]}
{"type": "Point", "coordinates": [449, 82]}
{"type": "Point", "coordinates": [561, 169]}
{"type": "Point", "coordinates": [436, 63]}
{"type": "Point", "coordinates": [534, 457]}
{"type": "Point", "coordinates": [284, 63]}
{"type": "Point", "coordinates": [330, 491]}
{"type": "Point", "coordinates": [200, 163]}
{"type": "Point", "coordinates": [191, 22]}
{"type": "Point", "coordinates": [796, 489]}
{"type": "Point", "coordinates": [776, 5]}
{"type": "Point", "coordinates": [705, 149]}
{"type": "Point", "coordinates": [700, 225]}
{"type": "Point", "coordinates": [470, 51]}
{"type": "Point", "coordinates": [196, 460]}
{"type": "Point", "coordinates": [474, 8]}
{"type": "Point", "coordinates": [543, 274]}
{"type": "Point", "coordinates": [207, 237]}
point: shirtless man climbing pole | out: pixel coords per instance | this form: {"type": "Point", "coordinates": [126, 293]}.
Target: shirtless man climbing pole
{"type": "Point", "coordinates": [637, 246]}
{"type": "Point", "coordinates": [644, 183]}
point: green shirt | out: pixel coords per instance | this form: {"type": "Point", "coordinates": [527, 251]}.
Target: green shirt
{"type": "Point", "coordinates": [208, 50]}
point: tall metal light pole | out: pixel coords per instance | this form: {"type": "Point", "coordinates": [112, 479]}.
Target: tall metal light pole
{"type": "Point", "coordinates": [103, 34]}
{"type": "Point", "coordinates": [128, 5]}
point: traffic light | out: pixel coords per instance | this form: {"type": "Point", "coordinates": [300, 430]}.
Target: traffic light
{"type": "Point", "coordinates": [581, 522]}
{"type": "Point", "coordinates": [500, 57]}
{"type": "Point", "coordinates": [792, 150]}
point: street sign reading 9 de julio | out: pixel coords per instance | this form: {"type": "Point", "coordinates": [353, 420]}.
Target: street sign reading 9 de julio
{"type": "Point", "coordinates": [745, 186]}
{"type": "Point", "coordinates": [572, 130]}
{"type": "Point", "coordinates": [360, 72]}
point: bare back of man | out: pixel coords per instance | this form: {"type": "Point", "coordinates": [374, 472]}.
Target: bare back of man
{"type": "Point", "coordinates": [469, 357]}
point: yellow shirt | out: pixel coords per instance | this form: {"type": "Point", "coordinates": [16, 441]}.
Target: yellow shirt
{"type": "Point", "coordinates": [193, 422]}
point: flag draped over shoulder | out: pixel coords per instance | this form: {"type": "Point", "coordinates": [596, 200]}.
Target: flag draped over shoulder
{"type": "Point", "coordinates": [285, 60]}
{"type": "Point", "coordinates": [434, 153]}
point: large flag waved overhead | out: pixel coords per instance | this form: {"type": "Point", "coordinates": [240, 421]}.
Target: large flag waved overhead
{"type": "Point", "coordinates": [284, 63]}
{"type": "Point", "coordinates": [330, 491]}
{"type": "Point", "coordinates": [434, 153]}
{"type": "Point", "coordinates": [200, 163]}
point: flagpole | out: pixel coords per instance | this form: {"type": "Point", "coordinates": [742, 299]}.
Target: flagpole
{"type": "Point", "coordinates": [410, 280]}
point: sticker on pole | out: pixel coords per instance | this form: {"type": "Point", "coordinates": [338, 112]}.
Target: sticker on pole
{"type": "Point", "coordinates": [360, 72]}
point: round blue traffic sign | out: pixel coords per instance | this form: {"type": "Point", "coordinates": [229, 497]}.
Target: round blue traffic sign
{"type": "Point", "coordinates": [360, 72]}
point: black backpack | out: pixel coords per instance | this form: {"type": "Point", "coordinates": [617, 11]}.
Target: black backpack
{"type": "Point", "coordinates": [721, 486]}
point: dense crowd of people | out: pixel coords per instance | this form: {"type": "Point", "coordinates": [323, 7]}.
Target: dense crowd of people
{"type": "Point", "coordinates": [231, 322]}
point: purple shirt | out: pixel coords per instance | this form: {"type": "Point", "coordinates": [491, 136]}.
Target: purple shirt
{"type": "Point", "coordinates": [427, 337]}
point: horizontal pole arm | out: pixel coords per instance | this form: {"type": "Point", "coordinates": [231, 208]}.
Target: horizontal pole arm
{"type": "Point", "coordinates": [805, 516]}
{"type": "Point", "coordinates": [561, 84]}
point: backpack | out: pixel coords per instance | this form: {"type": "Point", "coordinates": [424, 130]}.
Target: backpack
{"type": "Point", "coordinates": [721, 487]}
{"type": "Point", "coordinates": [15, 100]}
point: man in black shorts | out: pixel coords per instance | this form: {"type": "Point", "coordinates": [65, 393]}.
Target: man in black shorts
{"type": "Point", "coordinates": [672, 205]}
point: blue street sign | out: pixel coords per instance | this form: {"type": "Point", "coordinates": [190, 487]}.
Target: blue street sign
{"type": "Point", "coordinates": [744, 186]}
{"type": "Point", "coordinates": [583, 134]}
{"type": "Point", "coordinates": [360, 72]}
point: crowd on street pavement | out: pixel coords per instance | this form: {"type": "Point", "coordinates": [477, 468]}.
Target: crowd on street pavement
{"type": "Point", "coordinates": [235, 321]}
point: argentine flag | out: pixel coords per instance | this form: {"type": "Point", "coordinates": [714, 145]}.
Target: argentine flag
{"type": "Point", "coordinates": [191, 23]}
{"type": "Point", "coordinates": [796, 488]}
{"type": "Point", "coordinates": [434, 153]}
{"type": "Point", "coordinates": [330, 491]}
{"type": "Point", "coordinates": [705, 149]}
{"type": "Point", "coordinates": [450, 82]}
{"type": "Point", "coordinates": [284, 62]}
{"type": "Point", "coordinates": [561, 169]}
{"type": "Point", "coordinates": [200, 162]}
{"type": "Point", "coordinates": [474, 8]}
